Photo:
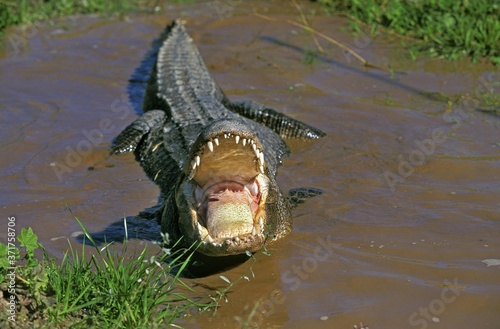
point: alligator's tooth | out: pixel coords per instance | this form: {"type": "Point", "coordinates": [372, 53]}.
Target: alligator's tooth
{"type": "Point", "coordinates": [261, 168]}
{"type": "Point", "coordinates": [197, 159]}
{"type": "Point", "coordinates": [210, 146]}
{"type": "Point", "coordinates": [199, 227]}
{"type": "Point", "coordinates": [236, 239]}
{"type": "Point", "coordinates": [208, 238]}
{"type": "Point", "coordinates": [252, 142]}
{"type": "Point", "coordinates": [254, 231]}
{"type": "Point", "coordinates": [156, 176]}
{"type": "Point", "coordinates": [244, 141]}
{"type": "Point", "coordinates": [216, 141]}
{"type": "Point", "coordinates": [237, 138]}
{"type": "Point", "coordinates": [261, 222]}
{"type": "Point", "coordinates": [225, 135]}
{"type": "Point", "coordinates": [193, 164]}
{"type": "Point", "coordinates": [227, 242]}
{"type": "Point", "coordinates": [254, 147]}
{"type": "Point", "coordinates": [156, 146]}
{"type": "Point", "coordinates": [261, 158]}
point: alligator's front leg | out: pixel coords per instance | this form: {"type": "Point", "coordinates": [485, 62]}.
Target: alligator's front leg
{"type": "Point", "coordinates": [133, 134]}
{"type": "Point", "coordinates": [280, 123]}
{"type": "Point", "coordinates": [299, 195]}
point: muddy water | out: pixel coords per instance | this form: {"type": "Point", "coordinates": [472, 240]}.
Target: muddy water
{"type": "Point", "coordinates": [411, 203]}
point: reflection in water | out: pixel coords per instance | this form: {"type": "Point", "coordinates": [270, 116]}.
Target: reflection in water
{"type": "Point", "coordinates": [399, 256]}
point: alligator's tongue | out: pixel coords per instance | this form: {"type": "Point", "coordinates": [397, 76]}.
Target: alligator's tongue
{"type": "Point", "coordinates": [229, 214]}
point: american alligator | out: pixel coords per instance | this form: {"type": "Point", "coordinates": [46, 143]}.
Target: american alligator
{"type": "Point", "coordinates": [214, 160]}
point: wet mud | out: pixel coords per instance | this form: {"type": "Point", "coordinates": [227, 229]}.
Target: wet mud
{"type": "Point", "coordinates": [410, 170]}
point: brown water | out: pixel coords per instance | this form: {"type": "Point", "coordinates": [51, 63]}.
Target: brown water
{"type": "Point", "coordinates": [411, 203]}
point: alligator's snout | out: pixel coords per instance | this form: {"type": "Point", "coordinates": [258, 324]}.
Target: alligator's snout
{"type": "Point", "coordinates": [226, 189]}
{"type": "Point", "coordinates": [223, 145]}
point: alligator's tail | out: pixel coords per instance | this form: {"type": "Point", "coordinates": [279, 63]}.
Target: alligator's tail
{"type": "Point", "coordinates": [138, 81]}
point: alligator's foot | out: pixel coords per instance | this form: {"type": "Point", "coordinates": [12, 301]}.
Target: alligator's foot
{"type": "Point", "coordinates": [299, 195]}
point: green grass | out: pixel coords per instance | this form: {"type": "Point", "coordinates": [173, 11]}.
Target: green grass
{"type": "Point", "coordinates": [19, 12]}
{"type": "Point", "coordinates": [109, 290]}
{"type": "Point", "coordinates": [444, 28]}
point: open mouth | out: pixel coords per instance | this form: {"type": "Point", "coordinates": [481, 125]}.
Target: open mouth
{"type": "Point", "coordinates": [227, 189]}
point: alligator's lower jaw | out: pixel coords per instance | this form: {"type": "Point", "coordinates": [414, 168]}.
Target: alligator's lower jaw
{"type": "Point", "coordinates": [228, 218]}
{"type": "Point", "coordinates": [233, 246]}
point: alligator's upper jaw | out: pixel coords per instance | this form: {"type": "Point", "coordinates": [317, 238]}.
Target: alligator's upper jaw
{"type": "Point", "coordinates": [225, 190]}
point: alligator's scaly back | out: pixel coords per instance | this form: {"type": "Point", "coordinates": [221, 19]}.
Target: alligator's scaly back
{"type": "Point", "coordinates": [184, 81]}
{"type": "Point", "coordinates": [214, 160]}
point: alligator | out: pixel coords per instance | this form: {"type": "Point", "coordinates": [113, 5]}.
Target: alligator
{"type": "Point", "coordinates": [214, 160]}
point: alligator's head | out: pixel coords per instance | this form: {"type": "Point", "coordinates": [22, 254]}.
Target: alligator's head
{"type": "Point", "coordinates": [222, 197]}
